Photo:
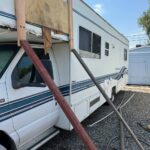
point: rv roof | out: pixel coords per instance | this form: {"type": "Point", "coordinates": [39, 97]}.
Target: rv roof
{"type": "Point", "coordinates": [7, 35]}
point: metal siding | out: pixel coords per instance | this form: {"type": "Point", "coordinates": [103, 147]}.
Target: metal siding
{"type": "Point", "coordinates": [139, 66]}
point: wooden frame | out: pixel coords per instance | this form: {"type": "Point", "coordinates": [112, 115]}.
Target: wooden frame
{"type": "Point", "coordinates": [48, 14]}
{"type": "Point", "coordinates": [52, 14]}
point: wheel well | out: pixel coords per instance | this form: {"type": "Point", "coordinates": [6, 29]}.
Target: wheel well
{"type": "Point", "coordinates": [7, 141]}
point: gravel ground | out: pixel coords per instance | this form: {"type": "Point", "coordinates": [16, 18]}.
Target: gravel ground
{"type": "Point", "coordinates": [106, 134]}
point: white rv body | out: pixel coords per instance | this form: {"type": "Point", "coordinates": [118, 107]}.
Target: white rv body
{"type": "Point", "coordinates": [28, 114]}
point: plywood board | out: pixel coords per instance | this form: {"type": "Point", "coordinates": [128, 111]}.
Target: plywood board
{"type": "Point", "coordinates": [53, 14]}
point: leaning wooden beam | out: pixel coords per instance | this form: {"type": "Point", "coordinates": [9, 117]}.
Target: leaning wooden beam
{"type": "Point", "coordinates": [20, 15]}
{"type": "Point", "coordinates": [70, 24]}
{"type": "Point", "coordinates": [58, 96]}
{"type": "Point", "coordinates": [47, 39]}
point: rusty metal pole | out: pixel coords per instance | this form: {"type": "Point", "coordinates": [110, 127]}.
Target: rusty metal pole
{"type": "Point", "coordinates": [101, 90]}
{"type": "Point", "coordinates": [60, 99]}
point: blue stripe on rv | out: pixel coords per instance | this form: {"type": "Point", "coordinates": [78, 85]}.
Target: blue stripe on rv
{"type": "Point", "coordinates": [19, 106]}
{"type": "Point", "coordinates": [8, 15]}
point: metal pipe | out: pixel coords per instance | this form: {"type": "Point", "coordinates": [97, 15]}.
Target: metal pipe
{"type": "Point", "coordinates": [122, 143]}
{"type": "Point", "coordinates": [106, 97]}
{"type": "Point", "coordinates": [58, 96]}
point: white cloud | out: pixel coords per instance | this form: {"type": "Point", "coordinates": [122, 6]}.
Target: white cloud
{"type": "Point", "coordinates": [98, 8]}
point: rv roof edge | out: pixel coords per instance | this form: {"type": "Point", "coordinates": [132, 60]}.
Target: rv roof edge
{"type": "Point", "coordinates": [10, 35]}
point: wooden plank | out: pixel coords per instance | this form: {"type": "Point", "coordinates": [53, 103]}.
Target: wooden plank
{"type": "Point", "coordinates": [53, 14]}
{"type": "Point", "coordinates": [70, 20]}
{"type": "Point", "coordinates": [47, 39]}
{"type": "Point", "coordinates": [20, 14]}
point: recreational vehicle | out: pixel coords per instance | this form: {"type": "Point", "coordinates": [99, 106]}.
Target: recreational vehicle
{"type": "Point", "coordinates": [29, 113]}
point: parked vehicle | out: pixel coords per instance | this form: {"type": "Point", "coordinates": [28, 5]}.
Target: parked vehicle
{"type": "Point", "coordinates": [29, 113]}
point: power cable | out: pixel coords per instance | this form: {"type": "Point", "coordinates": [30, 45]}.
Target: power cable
{"type": "Point", "coordinates": [120, 106]}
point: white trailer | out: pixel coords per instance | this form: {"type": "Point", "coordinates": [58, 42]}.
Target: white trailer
{"type": "Point", "coordinates": [28, 111]}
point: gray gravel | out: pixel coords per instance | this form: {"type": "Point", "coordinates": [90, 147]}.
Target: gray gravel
{"type": "Point", "coordinates": [136, 113]}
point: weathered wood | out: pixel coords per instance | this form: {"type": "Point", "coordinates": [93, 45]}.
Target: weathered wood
{"type": "Point", "coordinates": [58, 96]}
{"type": "Point", "coordinates": [53, 14]}
{"type": "Point", "coordinates": [47, 39]}
{"type": "Point", "coordinates": [20, 15]}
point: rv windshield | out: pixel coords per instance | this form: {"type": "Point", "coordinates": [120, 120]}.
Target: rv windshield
{"type": "Point", "coordinates": [7, 53]}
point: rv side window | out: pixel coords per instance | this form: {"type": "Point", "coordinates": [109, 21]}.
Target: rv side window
{"type": "Point", "coordinates": [89, 43]}
{"type": "Point", "coordinates": [24, 68]}
{"type": "Point", "coordinates": [125, 55]}
{"type": "Point", "coordinates": [25, 73]}
{"type": "Point", "coordinates": [85, 37]}
{"type": "Point", "coordinates": [96, 45]}
{"type": "Point", "coordinates": [106, 48]}
{"type": "Point", "coordinates": [7, 53]}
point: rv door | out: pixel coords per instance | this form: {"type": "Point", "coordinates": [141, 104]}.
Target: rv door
{"type": "Point", "coordinates": [7, 54]}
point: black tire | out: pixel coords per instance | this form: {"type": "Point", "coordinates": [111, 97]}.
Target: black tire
{"type": "Point", "coordinates": [6, 142]}
{"type": "Point", "coordinates": [113, 95]}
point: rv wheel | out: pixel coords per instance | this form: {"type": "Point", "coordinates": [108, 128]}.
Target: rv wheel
{"type": "Point", "coordinates": [112, 97]}
{"type": "Point", "coordinates": [6, 143]}
{"type": "Point", "coordinates": [113, 94]}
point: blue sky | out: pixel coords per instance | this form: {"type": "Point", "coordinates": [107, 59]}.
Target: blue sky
{"type": "Point", "coordinates": [122, 14]}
